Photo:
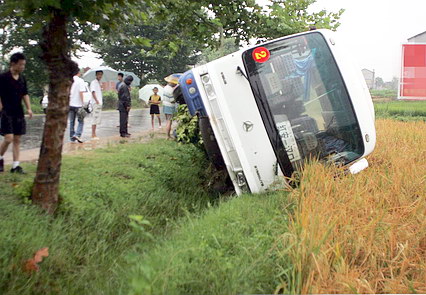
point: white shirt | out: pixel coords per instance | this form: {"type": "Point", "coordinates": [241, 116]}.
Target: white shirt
{"type": "Point", "coordinates": [95, 86]}
{"type": "Point", "coordinates": [77, 87]}
{"type": "Point", "coordinates": [168, 97]}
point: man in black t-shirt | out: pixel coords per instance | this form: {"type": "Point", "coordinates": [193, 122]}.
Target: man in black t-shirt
{"type": "Point", "coordinates": [13, 89]}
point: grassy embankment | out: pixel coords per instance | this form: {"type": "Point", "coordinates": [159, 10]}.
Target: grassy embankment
{"type": "Point", "coordinates": [91, 241]}
{"type": "Point", "coordinates": [90, 236]}
{"type": "Point", "coordinates": [346, 234]}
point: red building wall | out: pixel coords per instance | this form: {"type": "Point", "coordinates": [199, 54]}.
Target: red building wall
{"type": "Point", "coordinates": [108, 86]}
{"type": "Point", "coordinates": [413, 76]}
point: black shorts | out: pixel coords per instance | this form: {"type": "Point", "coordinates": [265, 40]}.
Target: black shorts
{"type": "Point", "coordinates": [154, 109]}
{"type": "Point", "coordinates": [12, 125]}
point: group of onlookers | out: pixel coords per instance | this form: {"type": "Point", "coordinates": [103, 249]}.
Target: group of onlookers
{"type": "Point", "coordinates": [80, 107]}
{"type": "Point", "coordinates": [123, 88]}
{"type": "Point", "coordinates": [83, 100]}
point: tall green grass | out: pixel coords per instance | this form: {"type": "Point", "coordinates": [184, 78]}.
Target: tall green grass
{"type": "Point", "coordinates": [90, 236]}
{"type": "Point", "coordinates": [232, 249]}
{"type": "Point", "coordinates": [401, 110]}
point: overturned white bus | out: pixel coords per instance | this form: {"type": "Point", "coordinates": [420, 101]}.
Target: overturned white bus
{"type": "Point", "coordinates": [265, 110]}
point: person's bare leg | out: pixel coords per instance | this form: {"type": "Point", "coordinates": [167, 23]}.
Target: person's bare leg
{"type": "Point", "coordinates": [152, 121]}
{"type": "Point", "coordinates": [159, 121]}
{"type": "Point", "coordinates": [8, 138]}
{"type": "Point", "coordinates": [93, 130]}
{"type": "Point", "coordinates": [168, 125]}
{"type": "Point", "coordinates": [16, 146]}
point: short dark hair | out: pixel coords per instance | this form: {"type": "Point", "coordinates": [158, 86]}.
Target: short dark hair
{"type": "Point", "coordinates": [100, 71]}
{"type": "Point", "coordinates": [17, 57]}
{"type": "Point", "coordinates": [75, 71]}
{"type": "Point", "coordinates": [121, 74]}
{"type": "Point", "coordinates": [155, 88]}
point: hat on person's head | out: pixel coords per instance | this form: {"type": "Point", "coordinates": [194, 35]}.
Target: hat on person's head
{"type": "Point", "coordinates": [173, 78]}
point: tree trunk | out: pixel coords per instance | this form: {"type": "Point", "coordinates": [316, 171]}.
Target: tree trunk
{"type": "Point", "coordinates": [56, 55]}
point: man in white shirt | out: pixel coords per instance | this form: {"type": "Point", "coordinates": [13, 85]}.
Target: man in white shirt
{"type": "Point", "coordinates": [76, 103]}
{"type": "Point", "coordinates": [96, 90]}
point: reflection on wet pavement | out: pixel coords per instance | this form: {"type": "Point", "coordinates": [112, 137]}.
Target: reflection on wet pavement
{"type": "Point", "coordinates": [139, 122]}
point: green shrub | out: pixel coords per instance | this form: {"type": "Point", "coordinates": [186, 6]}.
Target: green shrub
{"type": "Point", "coordinates": [111, 99]}
{"type": "Point", "coordinates": [36, 105]}
{"type": "Point", "coordinates": [187, 130]}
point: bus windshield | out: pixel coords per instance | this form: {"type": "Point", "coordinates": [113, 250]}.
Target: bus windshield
{"type": "Point", "coordinates": [303, 101]}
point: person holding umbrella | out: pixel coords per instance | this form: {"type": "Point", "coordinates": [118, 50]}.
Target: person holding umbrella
{"type": "Point", "coordinates": [154, 110]}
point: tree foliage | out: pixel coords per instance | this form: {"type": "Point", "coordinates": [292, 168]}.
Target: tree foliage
{"type": "Point", "coordinates": [286, 17]}
{"type": "Point", "coordinates": [142, 49]}
{"type": "Point", "coordinates": [228, 46]}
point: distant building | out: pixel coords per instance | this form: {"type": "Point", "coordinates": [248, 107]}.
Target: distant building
{"type": "Point", "coordinates": [412, 84]}
{"type": "Point", "coordinates": [369, 77]}
{"type": "Point", "coordinates": [419, 38]}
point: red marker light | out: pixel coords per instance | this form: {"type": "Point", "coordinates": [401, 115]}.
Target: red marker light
{"type": "Point", "coordinates": [189, 81]}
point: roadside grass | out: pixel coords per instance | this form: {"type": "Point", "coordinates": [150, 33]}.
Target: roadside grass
{"type": "Point", "coordinates": [91, 235]}
{"type": "Point", "coordinates": [364, 233]}
{"type": "Point", "coordinates": [231, 249]}
{"type": "Point", "coordinates": [401, 110]}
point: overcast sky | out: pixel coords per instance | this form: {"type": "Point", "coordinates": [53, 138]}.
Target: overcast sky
{"type": "Point", "coordinates": [373, 31]}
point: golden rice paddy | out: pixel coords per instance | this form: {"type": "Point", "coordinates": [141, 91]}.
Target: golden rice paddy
{"type": "Point", "coordinates": [364, 233]}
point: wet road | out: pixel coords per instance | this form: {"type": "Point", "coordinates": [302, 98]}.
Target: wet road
{"type": "Point", "coordinates": [139, 121]}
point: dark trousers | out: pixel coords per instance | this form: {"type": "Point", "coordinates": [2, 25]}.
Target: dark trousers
{"type": "Point", "coordinates": [124, 120]}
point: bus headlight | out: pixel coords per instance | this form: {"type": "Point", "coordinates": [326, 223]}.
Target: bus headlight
{"type": "Point", "coordinates": [208, 86]}
{"type": "Point", "coordinates": [241, 180]}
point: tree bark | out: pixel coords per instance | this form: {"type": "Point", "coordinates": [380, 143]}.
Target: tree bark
{"type": "Point", "coordinates": [56, 56]}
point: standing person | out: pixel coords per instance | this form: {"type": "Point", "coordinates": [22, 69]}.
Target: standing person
{"type": "Point", "coordinates": [154, 110]}
{"type": "Point", "coordinates": [118, 84]}
{"type": "Point", "coordinates": [13, 89]}
{"type": "Point", "coordinates": [120, 77]}
{"type": "Point", "coordinates": [169, 104]}
{"type": "Point", "coordinates": [124, 105]}
{"type": "Point", "coordinates": [78, 87]}
{"type": "Point", "coordinates": [96, 90]}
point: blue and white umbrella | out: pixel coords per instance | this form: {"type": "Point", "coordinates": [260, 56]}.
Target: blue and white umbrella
{"type": "Point", "coordinates": [109, 74]}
